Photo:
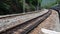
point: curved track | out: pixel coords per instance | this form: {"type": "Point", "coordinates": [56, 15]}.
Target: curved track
{"type": "Point", "coordinates": [27, 26]}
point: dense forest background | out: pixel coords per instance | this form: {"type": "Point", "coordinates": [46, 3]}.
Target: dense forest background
{"type": "Point", "coordinates": [19, 6]}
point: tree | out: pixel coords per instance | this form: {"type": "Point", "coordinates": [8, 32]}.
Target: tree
{"type": "Point", "coordinates": [16, 6]}
{"type": "Point", "coordinates": [58, 1]}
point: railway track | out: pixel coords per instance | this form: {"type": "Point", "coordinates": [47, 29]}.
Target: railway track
{"type": "Point", "coordinates": [24, 28]}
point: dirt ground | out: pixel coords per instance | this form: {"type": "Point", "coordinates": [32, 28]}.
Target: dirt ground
{"type": "Point", "coordinates": [51, 23]}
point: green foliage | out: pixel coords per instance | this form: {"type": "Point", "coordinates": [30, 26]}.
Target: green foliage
{"type": "Point", "coordinates": [58, 1]}
{"type": "Point", "coordinates": [16, 6]}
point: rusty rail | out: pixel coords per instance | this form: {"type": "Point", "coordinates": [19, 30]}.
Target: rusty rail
{"type": "Point", "coordinates": [19, 14]}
